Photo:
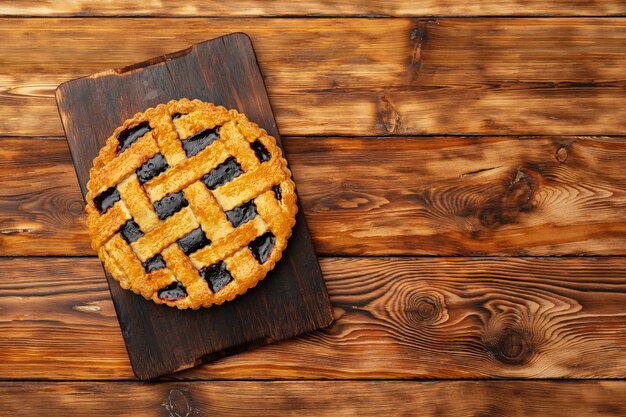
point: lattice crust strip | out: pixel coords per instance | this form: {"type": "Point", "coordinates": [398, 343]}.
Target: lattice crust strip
{"type": "Point", "coordinates": [190, 204]}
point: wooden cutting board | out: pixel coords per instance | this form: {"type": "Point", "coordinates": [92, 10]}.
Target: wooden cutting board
{"type": "Point", "coordinates": [290, 301]}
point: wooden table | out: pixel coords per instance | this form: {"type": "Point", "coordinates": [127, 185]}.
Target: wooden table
{"type": "Point", "coordinates": [463, 178]}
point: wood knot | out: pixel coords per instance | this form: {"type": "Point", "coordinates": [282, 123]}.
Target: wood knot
{"type": "Point", "coordinates": [561, 154]}
{"type": "Point", "coordinates": [178, 404]}
{"type": "Point", "coordinates": [519, 193]}
{"type": "Point", "coordinates": [410, 305]}
{"type": "Point", "coordinates": [518, 196]}
{"type": "Point", "coordinates": [76, 208]}
{"type": "Point", "coordinates": [418, 37]}
{"type": "Point", "coordinates": [491, 216]}
{"type": "Point", "coordinates": [511, 346]}
{"type": "Point", "coordinates": [389, 115]}
{"type": "Point", "coordinates": [426, 309]}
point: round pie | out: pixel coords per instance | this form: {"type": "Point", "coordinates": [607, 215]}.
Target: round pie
{"type": "Point", "coordinates": [190, 204]}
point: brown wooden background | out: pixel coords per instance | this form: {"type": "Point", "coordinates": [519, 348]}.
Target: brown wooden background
{"type": "Point", "coordinates": [461, 169]}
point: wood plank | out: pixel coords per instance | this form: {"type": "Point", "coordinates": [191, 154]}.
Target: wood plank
{"type": "Point", "coordinates": [395, 318]}
{"type": "Point", "coordinates": [251, 8]}
{"type": "Point", "coordinates": [356, 76]}
{"type": "Point", "coordinates": [393, 196]}
{"type": "Point", "coordinates": [463, 196]}
{"type": "Point", "coordinates": [317, 398]}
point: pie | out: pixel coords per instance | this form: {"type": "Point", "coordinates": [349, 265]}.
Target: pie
{"type": "Point", "coordinates": [190, 204]}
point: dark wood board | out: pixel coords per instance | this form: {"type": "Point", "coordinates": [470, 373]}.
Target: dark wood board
{"type": "Point", "coordinates": [290, 301]}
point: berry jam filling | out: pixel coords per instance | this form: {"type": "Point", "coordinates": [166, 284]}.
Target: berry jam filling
{"type": "Point", "coordinates": [176, 115]}
{"type": "Point", "coordinates": [277, 192]}
{"type": "Point", "coordinates": [105, 201]}
{"type": "Point", "coordinates": [262, 246]}
{"type": "Point", "coordinates": [193, 241]}
{"type": "Point", "coordinates": [153, 167]}
{"type": "Point", "coordinates": [174, 291]}
{"type": "Point", "coordinates": [131, 231]}
{"type": "Point", "coordinates": [129, 136]}
{"type": "Point", "coordinates": [170, 204]}
{"type": "Point", "coordinates": [243, 213]}
{"type": "Point", "coordinates": [152, 264]}
{"type": "Point", "coordinates": [223, 173]}
{"type": "Point", "coordinates": [199, 141]}
{"type": "Point", "coordinates": [261, 151]}
{"type": "Point", "coordinates": [217, 276]}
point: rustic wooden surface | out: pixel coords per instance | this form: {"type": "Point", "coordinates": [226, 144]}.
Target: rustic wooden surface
{"type": "Point", "coordinates": [395, 318]}
{"type": "Point", "coordinates": [310, 398]}
{"type": "Point", "coordinates": [355, 76]}
{"type": "Point", "coordinates": [466, 85]}
{"type": "Point", "coordinates": [224, 8]}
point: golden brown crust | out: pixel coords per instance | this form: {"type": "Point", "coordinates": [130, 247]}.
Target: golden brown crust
{"type": "Point", "coordinates": [264, 178]}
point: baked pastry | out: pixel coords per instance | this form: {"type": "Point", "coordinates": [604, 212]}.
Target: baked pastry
{"type": "Point", "coordinates": [190, 204]}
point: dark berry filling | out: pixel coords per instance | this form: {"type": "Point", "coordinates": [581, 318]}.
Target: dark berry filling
{"type": "Point", "coordinates": [170, 204]}
{"type": "Point", "coordinates": [262, 246]}
{"type": "Point", "coordinates": [223, 173]}
{"type": "Point", "coordinates": [199, 141]}
{"type": "Point", "coordinates": [131, 231]}
{"type": "Point", "coordinates": [217, 276]}
{"type": "Point", "coordinates": [128, 136]}
{"type": "Point", "coordinates": [174, 291]}
{"type": "Point", "coordinates": [176, 115]}
{"type": "Point", "coordinates": [153, 167]}
{"type": "Point", "coordinates": [243, 213]}
{"type": "Point", "coordinates": [105, 201]}
{"type": "Point", "coordinates": [261, 151]}
{"type": "Point", "coordinates": [277, 192]}
{"type": "Point", "coordinates": [193, 241]}
{"type": "Point", "coordinates": [154, 263]}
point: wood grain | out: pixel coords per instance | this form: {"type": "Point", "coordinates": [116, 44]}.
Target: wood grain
{"type": "Point", "coordinates": [395, 318]}
{"type": "Point", "coordinates": [463, 196]}
{"type": "Point", "coordinates": [291, 300]}
{"type": "Point", "coordinates": [391, 196]}
{"type": "Point", "coordinates": [250, 8]}
{"type": "Point", "coordinates": [355, 76]}
{"type": "Point", "coordinates": [317, 398]}
{"type": "Point", "coordinates": [40, 202]}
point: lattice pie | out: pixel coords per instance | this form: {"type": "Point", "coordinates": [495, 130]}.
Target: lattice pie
{"type": "Point", "coordinates": [190, 204]}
